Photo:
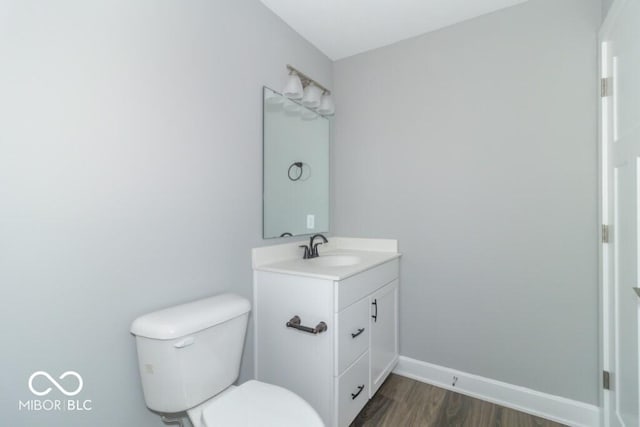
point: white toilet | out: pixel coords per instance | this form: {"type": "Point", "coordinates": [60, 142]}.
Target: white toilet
{"type": "Point", "coordinates": [189, 357]}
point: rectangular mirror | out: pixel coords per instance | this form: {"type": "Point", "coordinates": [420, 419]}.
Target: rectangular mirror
{"type": "Point", "coordinates": [295, 168]}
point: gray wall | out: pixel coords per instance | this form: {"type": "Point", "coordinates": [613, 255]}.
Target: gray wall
{"type": "Point", "coordinates": [606, 5]}
{"type": "Point", "coordinates": [475, 146]}
{"type": "Point", "coordinates": [130, 180]}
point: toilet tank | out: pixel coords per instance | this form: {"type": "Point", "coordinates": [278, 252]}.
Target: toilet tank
{"type": "Point", "coordinates": [191, 352]}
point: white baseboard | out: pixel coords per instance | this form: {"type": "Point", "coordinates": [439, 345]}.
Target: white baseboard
{"type": "Point", "coordinates": [555, 408]}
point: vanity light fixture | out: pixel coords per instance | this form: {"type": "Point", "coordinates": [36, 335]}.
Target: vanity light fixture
{"type": "Point", "coordinates": [293, 89]}
{"type": "Point", "coordinates": [327, 108]}
{"type": "Point", "coordinates": [313, 94]}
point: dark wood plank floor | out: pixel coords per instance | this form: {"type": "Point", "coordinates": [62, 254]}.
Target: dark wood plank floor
{"type": "Point", "coordinates": [403, 402]}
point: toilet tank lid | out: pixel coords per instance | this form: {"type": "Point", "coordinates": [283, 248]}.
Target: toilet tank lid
{"type": "Point", "coordinates": [189, 318]}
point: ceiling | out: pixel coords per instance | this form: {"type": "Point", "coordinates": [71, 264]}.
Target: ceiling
{"type": "Point", "coordinates": [342, 28]}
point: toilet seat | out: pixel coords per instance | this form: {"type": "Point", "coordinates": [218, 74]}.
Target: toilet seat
{"type": "Point", "coordinates": [257, 404]}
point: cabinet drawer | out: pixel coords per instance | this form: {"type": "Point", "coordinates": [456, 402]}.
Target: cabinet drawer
{"type": "Point", "coordinates": [357, 287]}
{"type": "Point", "coordinates": [352, 336]}
{"type": "Point", "coordinates": [352, 390]}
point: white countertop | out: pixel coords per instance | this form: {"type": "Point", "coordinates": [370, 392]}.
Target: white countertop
{"type": "Point", "coordinates": [283, 260]}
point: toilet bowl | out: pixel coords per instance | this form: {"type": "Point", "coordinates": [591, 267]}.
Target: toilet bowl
{"type": "Point", "coordinates": [189, 357]}
{"type": "Point", "coordinates": [255, 404]}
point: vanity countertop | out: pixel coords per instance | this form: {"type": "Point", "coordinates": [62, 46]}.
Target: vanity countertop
{"type": "Point", "coordinates": [341, 258]}
{"type": "Point", "coordinates": [313, 268]}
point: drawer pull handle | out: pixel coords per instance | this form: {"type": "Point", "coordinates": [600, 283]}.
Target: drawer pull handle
{"type": "Point", "coordinates": [360, 330]}
{"type": "Point", "coordinates": [354, 395]}
{"type": "Point", "coordinates": [295, 323]}
{"type": "Point", "coordinates": [375, 316]}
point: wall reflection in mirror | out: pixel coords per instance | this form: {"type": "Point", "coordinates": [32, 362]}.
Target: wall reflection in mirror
{"type": "Point", "coordinates": [296, 168]}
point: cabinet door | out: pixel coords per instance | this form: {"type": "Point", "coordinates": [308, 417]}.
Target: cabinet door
{"type": "Point", "coordinates": [298, 361]}
{"type": "Point", "coordinates": [384, 334]}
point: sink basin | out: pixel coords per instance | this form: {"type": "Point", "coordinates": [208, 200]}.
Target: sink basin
{"type": "Point", "coordinates": [336, 260]}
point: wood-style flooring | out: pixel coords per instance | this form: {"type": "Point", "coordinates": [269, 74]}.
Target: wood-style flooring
{"type": "Point", "coordinates": [403, 402]}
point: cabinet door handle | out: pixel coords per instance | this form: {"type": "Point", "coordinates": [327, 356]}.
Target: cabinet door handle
{"type": "Point", "coordinates": [354, 395]}
{"type": "Point", "coordinates": [375, 304]}
{"type": "Point", "coordinates": [295, 323]}
{"type": "Point", "coordinates": [360, 330]}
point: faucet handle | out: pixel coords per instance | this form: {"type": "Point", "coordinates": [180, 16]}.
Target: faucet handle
{"type": "Point", "coordinates": [314, 250]}
{"type": "Point", "coordinates": [307, 251]}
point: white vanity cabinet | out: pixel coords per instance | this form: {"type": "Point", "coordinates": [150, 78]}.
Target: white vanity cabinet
{"type": "Point", "coordinates": [338, 370]}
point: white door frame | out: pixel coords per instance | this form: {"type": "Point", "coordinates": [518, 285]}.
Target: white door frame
{"type": "Point", "coordinates": [603, 200]}
{"type": "Point", "coordinates": [604, 139]}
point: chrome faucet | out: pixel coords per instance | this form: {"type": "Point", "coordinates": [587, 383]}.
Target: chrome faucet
{"type": "Point", "coordinates": [311, 251]}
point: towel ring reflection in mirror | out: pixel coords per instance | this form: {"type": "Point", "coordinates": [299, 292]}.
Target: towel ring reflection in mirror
{"type": "Point", "coordinates": [295, 171]}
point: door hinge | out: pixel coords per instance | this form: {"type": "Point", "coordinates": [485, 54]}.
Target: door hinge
{"type": "Point", "coordinates": [605, 233]}
{"type": "Point", "coordinates": [606, 380]}
{"type": "Point", "coordinates": [606, 86]}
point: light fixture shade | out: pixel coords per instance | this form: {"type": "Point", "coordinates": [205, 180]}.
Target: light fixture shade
{"type": "Point", "coordinates": [293, 89]}
{"type": "Point", "coordinates": [312, 96]}
{"type": "Point", "coordinates": [327, 108]}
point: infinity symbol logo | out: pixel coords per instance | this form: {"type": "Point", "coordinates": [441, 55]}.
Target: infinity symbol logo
{"type": "Point", "coordinates": [55, 383]}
